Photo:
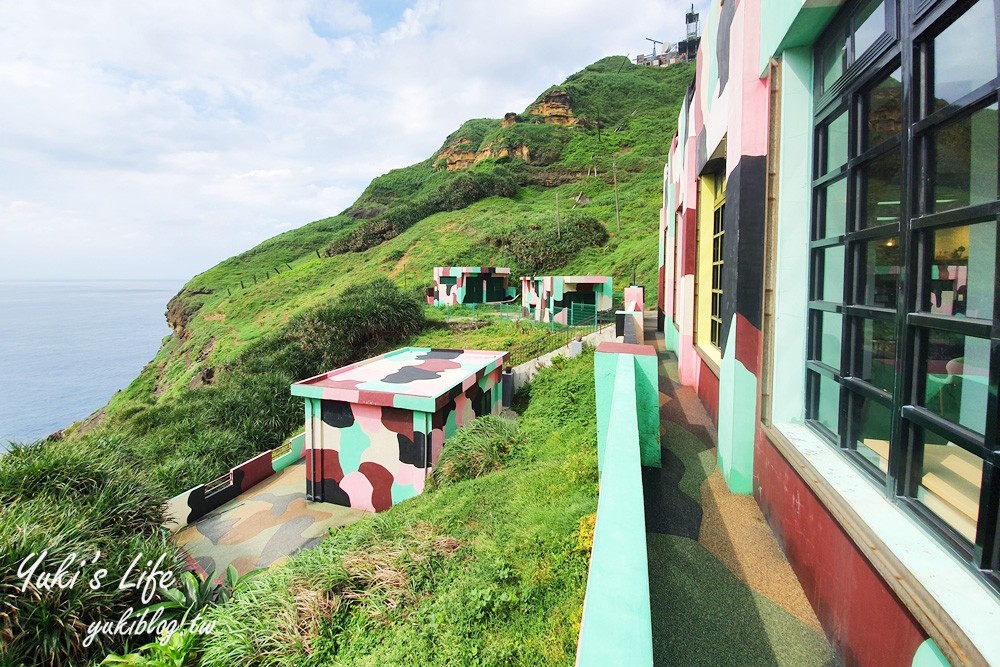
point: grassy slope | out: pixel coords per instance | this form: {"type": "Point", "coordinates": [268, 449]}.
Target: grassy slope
{"type": "Point", "coordinates": [515, 582]}
{"type": "Point", "coordinates": [637, 108]}
{"type": "Point", "coordinates": [235, 338]}
{"type": "Point", "coordinates": [445, 578]}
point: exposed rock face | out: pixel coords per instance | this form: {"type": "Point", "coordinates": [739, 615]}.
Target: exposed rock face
{"type": "Point", "coordinates": [554, 108]}
{"type": "Point", "coordinates": [459, 154]}
{"type": "Point", "coordinates": [509, 119]}
{"type": "Point", "coordinates": [492, 151]}
{"type": "Point", "coordinates": [182, 308]}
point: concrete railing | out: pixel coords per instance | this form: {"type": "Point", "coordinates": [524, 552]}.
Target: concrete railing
{"type": "Point", "coordinates": [616, 628]}
{"type": "Point", "coordinates": [196, 502]}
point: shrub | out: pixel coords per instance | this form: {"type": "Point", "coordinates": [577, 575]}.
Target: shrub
{"type": "Point", "coordinates": [364, 319]}
{"type": "Point", "coordinates": [456, 192]}
{"type": "Point", "coordinates": [475, 450]}
{"type": "Point", "coordinates": [539, 246]}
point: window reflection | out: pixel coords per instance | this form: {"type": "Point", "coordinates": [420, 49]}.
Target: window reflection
{"type": "Point", "coordinates": [836, 209]}
{"type": "Point", "coordinates": [965, 161]}
{"type": "Point", "coordinates": [831, 332]}
{"type": "Point", "coordinates": [871, 25]}
{"type": "Point", "coordinates": [878, 354]}
{"type": "Point", "coordinates": [833, 274]}
{"type": "Point", "coordinates": [828, 408]}
{"type": "Point", "coordinates": [965, 54]}
{"type": "Point", "coordinates": [882, 184]}
{"type": "Point", "coordinates": [836, 143]}
{"type": "Point", "coordinates": [963, 271]}
{"type": "Point", "coordinates": [950, 485]}
{"type": "Point", "coordinates": [885, 109]}
{"type": "Point", "coordinates": [834, 61]}
{"type": "Point", "coordinates": [956, 375]}
{"type": "Point", "coordinates": [872, 424]}
{"type": "Point", "coordinates": [881, 275]}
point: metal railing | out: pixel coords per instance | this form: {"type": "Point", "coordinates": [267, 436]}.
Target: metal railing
{"type": "Point", "coordinates": [219, 483]}
{"type": "Point", "coordinates": [558, 336]}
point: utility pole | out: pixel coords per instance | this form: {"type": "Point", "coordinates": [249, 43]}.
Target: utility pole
{"type": "Point", "coordinates": [558, 222]}
{"type": "Point", "coordinates": [655, 42]}
{"type": "Point", "coordinates": [614, 176]}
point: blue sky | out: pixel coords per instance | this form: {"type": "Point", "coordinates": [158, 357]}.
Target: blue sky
{"type": "Point", "coordinates": [153, 140]}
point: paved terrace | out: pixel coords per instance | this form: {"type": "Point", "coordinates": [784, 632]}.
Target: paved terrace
{"type": "Point", "coordinates": [722, 592]}
{"type": "Point", "coordinates": [268, 523]}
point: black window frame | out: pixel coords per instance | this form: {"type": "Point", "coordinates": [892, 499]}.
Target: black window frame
{"type": "Point", "coordinates": [906, 44]}
{"type": "Point", "coordinates": [718, 263]}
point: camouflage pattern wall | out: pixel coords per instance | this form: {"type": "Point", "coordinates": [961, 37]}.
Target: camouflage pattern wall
{"type": "Point", "coordinates": [550, 297]}
{"type": "Point", "coordinates": [375, 430]}
{"type": "Point", "coordinates": [198, 501]}
{"type": "Point", "coordinates": [455, 285]}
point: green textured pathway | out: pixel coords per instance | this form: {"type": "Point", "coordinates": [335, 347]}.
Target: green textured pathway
{"type": "Point", "coordinates": [722, 593]}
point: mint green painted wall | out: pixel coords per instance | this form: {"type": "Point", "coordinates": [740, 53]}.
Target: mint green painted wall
{"type": "Point", "coordinates": [790, 23]}
{"type": "Point", "coordinates": [737, 419]}
{"type": "Point", "coordinates": [711, 71]}
{"type": "Point", "coordinates": [604, 384]}
{"type": "Point", "coordinates": [791, 263]}
{"type": "Point", "coordinates": [929, 655]}
{"type": "Point", "coordinates": [640, 387]}
{"type": "Point", "coordinates": [353, 443]}
{"type": "Point", "coordinates": [670, 335]}
{"type": "Point", "coordinates": [616, 628]}
{"type": "Point", "coordinates": [647, 400]}
{"type": "Point", "coordinates": [294, 453]}
{"type": "Point", "coordinates": [401, 492]}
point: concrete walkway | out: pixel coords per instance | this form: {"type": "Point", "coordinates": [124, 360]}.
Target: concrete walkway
{"type": "Point", "coordinates": [265, 525]}
{"type": "Point", "coordinates": [722, 592]}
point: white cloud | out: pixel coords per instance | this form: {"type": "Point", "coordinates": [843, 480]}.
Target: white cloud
{"type": "Point", "coordinates": [156, 139]}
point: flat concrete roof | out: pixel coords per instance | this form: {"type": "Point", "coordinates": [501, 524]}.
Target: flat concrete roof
{"type": "Point", "coordinates": [572, 279]}
{"type": "Point", "coordinates": [414, 378]}
{"type": "Point", "coordinates": [470, 269]}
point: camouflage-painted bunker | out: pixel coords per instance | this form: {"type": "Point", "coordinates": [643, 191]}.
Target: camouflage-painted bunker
{"type": "Point", "coordinates": [548, 297]}
{"type": "Point", "coordinates": [454, 285]}
{"type": "Point", "coordinates": [375, 429]}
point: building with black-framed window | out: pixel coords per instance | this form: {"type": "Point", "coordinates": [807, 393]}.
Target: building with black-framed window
{"type": "Point", "coordinates": [855, 373]}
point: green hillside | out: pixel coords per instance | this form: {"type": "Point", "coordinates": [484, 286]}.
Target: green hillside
{"type": "Point", "coordinates": [501, 211]}
{"type": "Point", "coordinates": [216, 393]}
{"type": "Point", "coordinates": [336, 291]}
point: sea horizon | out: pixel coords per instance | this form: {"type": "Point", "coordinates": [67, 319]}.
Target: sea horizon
{"type": "Point", "coordinates": [67, 345]}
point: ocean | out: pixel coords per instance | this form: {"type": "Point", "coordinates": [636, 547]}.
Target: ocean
{"type": "Point", "coordinates": [67, 346]}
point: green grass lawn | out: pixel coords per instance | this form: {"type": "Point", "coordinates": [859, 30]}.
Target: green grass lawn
{"type": "Point", "coordinates": [483, 571]}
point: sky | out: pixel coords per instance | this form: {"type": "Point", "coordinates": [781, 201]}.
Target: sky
{"type": "Point", "coordinates": [153, 139]}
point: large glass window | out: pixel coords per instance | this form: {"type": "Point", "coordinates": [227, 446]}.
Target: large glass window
{"type": "Point", "coordinates": [904, 333]}
{"type": "Point", "coordinates": [709, 253]}
{"type": "Point", "coordinates": [718, 230]}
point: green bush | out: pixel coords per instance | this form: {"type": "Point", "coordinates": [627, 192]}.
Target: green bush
{"type": "Point", "coordinates": [205, 431]}
{"type": "Point", "coordinates": [544, 141]}
{"type": "Point", "coordinates": [475, 450]}
{"type": "Point", "coordinates": [365, 319]}
{"type": "Point", "coordinates": [457, 191]}
{"type": "Point", "coordinates": [539, 246]}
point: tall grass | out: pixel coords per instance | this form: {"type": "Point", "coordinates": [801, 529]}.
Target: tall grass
{"type": "Point", "coordinates": [61, 499]}
{"type": "Point", "coordinates": [482, 570]}
{"type": "Point", "coordinates": [203, 432]}
{"type": "Point", "coordinates": [475, 450]}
